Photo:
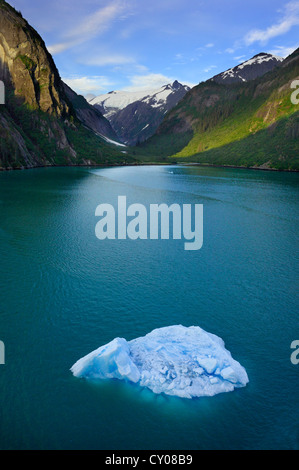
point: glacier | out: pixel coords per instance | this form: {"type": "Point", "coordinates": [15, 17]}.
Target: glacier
{"type": "Point", "coordinates": [187, 362]}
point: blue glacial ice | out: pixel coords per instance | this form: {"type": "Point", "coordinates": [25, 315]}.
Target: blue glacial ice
{"type": "Point", "coordinates": [175, 360]}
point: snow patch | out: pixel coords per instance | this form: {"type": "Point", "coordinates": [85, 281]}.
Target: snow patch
{"type": "Point", "coordinates": [110, 141]}
{"type": "Point", "coordinates": [256, 60]}
{"type": "Point", "coordinates": [116, 100]}
{"type": "Point", "coordinates": [120, 99]}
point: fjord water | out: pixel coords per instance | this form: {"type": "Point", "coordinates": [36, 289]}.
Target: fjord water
{"type": "Point", "coordinates": [64, 293]}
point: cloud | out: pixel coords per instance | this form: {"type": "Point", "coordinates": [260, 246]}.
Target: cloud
{"type": "Point", "coordinates": [88, 85]}
{"type": "Point", "coordinates": [149, 81]}
{"type": "Point", "coordinates": [141, 68]}
{"type": "Point", "coordinates": [107, 59]}
{"type": "Point", "coordinates": [98, 22]}
{"type": "Point", "coordinates": [289, 19]}
{"type": "Point", "coordinates": [230, 50]}
{"type": "Point", "coordinates": [152, 81]}
{"type": "Point", "coordinates": [60, 47]}
{"type": "Point", "coordinates": [92, 25]}
{"type": "Point", "coordinates": [283, 51]}
{"type": "Point", "coordinates": [206, 46]}
{"type": "Point", "coordinates": [211, 67]}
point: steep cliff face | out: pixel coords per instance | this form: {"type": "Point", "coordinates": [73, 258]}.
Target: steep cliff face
{"type": "Point", "coordinates": [28, 66]}
{"type": "Point", "coordinates": [42, 123]}
{"type": "Point", "coordinates": [89, 115]}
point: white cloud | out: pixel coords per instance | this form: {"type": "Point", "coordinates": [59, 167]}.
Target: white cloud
{"type": "Point", "coordinates": [141, 68]}
{"type": "Point", "coordinates": [152, 81]}
{"type": "Point", "coordinates": [88, 85]}
{"type": "Point", "coordinates": [289, 19]}
{"type": "Point", "coordinates": [211, 67]}
{"type": "Point", "coordinates": [91, 26]}
{"type": "Point", "coordinates": [283, 51]}
{"type": "Point", "coordinates": [60, 47]}
{"type": "Point", "coordinates": [107, 59]}
{"type": "Point", "coordinates": [98, 22]}
{"type": "Point", "coordinates": [206, 46]}
{"type": "Point", "coordinates": [149, 81]}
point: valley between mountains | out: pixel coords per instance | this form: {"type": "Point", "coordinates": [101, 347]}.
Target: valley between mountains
{"type": "Point", "coordinates": [242, 117]}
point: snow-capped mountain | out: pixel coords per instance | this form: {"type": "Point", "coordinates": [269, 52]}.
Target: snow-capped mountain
{"type": "Point", "coordinates": [135, 116]}
{"type": "Point", "coordinates": [250, 69]}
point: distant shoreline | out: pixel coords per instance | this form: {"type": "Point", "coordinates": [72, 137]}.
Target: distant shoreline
{"type": "Point", "coordinates": [110, 165]}
{"type": "Point", "coordinates": [236, 166]}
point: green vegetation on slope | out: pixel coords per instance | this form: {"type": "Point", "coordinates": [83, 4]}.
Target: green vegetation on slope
{"type": "Point", "coordinates": [250, 124]}
{"type": "Point", "coordinates": [30, 138]}
{"type": "Point", "coordinates": [275, 147]}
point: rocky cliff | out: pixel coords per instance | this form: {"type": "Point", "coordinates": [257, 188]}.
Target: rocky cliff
{"type": "Point", "coordinates": [41, 122]}
{"type": "Point", "coordinates": [26, 64]}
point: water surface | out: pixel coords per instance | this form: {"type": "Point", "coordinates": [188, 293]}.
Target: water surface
{"type": "Point", "coordinates": [64, 293]}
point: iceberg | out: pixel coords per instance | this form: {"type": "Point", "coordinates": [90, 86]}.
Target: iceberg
{"type": "Point", "coordinates": [187, 362]}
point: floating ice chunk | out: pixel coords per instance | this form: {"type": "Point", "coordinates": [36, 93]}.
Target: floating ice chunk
{"type": "Point", "coordinates": [208, 364]}
{"type": "Point", "coordinates": [213, 380]}
{"type": "Point", "coordinates": [110, 361]}
{"type": "Point", "coordinates": [229, 374]}
{"type": "Point", "coordinates": [186, 362]}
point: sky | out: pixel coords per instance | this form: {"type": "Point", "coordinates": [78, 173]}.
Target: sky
{"type": "Point", "coordinates": [104, 45]}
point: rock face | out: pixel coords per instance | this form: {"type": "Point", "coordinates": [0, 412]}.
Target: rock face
{"type": "Point", "coordinates": [43, 122]}
{"type": "Point", "coordinates": [28, 66]}
{"type": "Point", "coordinates": [89, 115]}
{"type": "Point", "coordinates": [135, 116]}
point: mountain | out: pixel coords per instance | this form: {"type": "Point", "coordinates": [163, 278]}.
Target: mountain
{"type": "Point", "coordinates": [251, 124]}
{"type": "Point", "coordinates": [135, 116]}
{"type": "Point", "coordinates": [43, 122]}
{"type": "Point", "coordinates": [89, 115]}
{"type": "Point", "coordinates": [251, 69]}
{"type": "Point", "coordinates": [243, 117]}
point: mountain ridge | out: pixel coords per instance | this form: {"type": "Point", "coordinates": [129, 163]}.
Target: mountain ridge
{"type": "Point", "coordinates": [250, 124]}
{"type": "Point", "coordinates": [257, 66]}
{"type": "Point", "coordinates": [135, 116]}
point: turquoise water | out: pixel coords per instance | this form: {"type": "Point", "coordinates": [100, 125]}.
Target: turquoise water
{"type": "Point", "coordinates": [64, 293]}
